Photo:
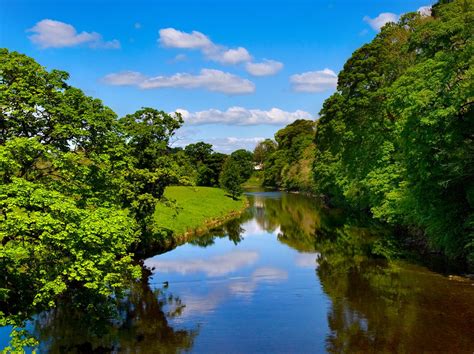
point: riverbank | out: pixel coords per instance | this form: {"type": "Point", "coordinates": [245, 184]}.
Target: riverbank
{"type": "Point", "coordinates": [196, 210]}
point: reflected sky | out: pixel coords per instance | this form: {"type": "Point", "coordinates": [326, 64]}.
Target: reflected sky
{"type": "Point", "coordinates": [247, 297]}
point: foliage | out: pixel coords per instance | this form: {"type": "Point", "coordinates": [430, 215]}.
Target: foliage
{"type": "Point", "coordinates": [396, 139]}
{"type": "Point", "coordinates": [207, 163]}
{"type": "Point", "coordinates": [244, 159]}
{"type": "Point", "coordinates": [263, 150]}
{"type": "Point", "coordinates": [289, 165]}
{"type": "Point", "coordinates": [150, 169]}
{"type": "Point", "coordinates": [231, 179]}
{"type": "Point", "coordinates": [78, 190]}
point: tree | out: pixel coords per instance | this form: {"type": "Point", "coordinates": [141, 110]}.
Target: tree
{"type": "Point", "coordinates": [149, 167]}
{"type": "Point", "coordinates": [396, 140]}
{"type": "Point", "coordinates": [288, 164]}
{"type": "Point", "coordinates": [243, 159]}
{"type": "Point", "coordinates": [77, 191]}
{"type": "Point", "coordinates": [263, 150]}
{"type": "Point", "coordinates": [198, 152]}
{"type": "Point", "coordinates": [231, 178]}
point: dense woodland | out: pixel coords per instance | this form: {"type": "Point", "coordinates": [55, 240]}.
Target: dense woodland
{"type": "Point", "coordinates": [80, 185]}
{"type": "Point", "coordinates": [396, 140]}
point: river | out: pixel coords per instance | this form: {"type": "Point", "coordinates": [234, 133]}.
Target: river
{"type": "Point", "coordinates": [287, 276]}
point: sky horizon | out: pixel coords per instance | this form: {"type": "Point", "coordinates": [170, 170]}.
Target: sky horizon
{"type": "Point", "coordinates": [238, 71]}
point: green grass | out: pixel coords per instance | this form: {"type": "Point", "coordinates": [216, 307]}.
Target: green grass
{"type": "Point", "coordinates": [197, 206]}
{"type": "Point", "coordinates": [255, 181]}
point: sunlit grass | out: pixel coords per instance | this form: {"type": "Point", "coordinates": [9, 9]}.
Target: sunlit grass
{"type": "Point", "coordinates": [196, 206]}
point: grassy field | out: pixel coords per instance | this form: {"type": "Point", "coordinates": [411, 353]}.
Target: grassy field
{"type": "Point", "coordinates": [197, 206]}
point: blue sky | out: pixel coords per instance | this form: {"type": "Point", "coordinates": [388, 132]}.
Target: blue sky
{"type": "Point", "coordinates": [237, 70]}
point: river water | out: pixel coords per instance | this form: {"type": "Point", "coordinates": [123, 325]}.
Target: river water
{"type": "Point", "coordinates": [288, 276]}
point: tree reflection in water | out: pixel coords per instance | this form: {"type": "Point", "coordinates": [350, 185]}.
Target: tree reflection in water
{"type": "Point", "coordinates": [377, 305]}
{"type": "Point", "coordinates": [141, 325]}
{"type": "Point", "coordinates": [382, 306]}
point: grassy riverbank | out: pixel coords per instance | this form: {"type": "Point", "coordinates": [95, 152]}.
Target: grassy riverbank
{"type": "Point", "coordinates": [197, 209]}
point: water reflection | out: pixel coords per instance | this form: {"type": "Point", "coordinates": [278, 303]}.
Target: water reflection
{"type": "Point", "coordinates": [140, 326]}
{"type": "Point", "coordinates": [379, 306]}
{"type": "Point", "coordinates": [288, 276]}
{"type": "Point", "coordinates": [212, 267]}
{"type": "Point", "coordinates": [327, 276]}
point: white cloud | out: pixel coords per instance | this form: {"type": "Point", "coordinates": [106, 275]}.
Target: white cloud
{"type": "Point", "coordinates": [229, 56]}
{"type": "Point", "coordinates": [173, 38]}
{"type": "Point", "coordinates": [210, 79]}
{"type": "Point", "coordinates": [229, 144]}
{"type": "Point", "coordinates": [265, 68]}
{"type": "Point", "coordinates": [378, 22]}
{"type": "Point", "coordinates": [55, 34]}
{"type": "Point", "coordinates": [137, 25]}
{"type": "Point", "coordinates": [314, 81]}
{"type": "Point", "coordinates": [424, 11]}
{"type": "Point", "coordinates": [180, 57]}
{"type": "Point", "coordinates": [243, 116]}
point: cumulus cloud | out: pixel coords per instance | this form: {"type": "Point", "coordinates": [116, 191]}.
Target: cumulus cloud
{"type": "Point", "coordinates": [55, 34]}
{"type": "Point", "coordinates": [314, 81]}
{"type": "Point", "coordinates": [173, 38]}
{"type": "Point", "coordinates": [378, 22]}
{"type": "Point", "coordinates": [229, 56]}
{"type": "Point", "coordinates": [243, 116]}
{"type": "Point", "coordinates": [209, 79]}
{"type": "Point", "coordinates": [264, 68]}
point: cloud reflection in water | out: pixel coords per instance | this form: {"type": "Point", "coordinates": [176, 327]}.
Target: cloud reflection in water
{"type": "Point", "coordinates": [213, 267]}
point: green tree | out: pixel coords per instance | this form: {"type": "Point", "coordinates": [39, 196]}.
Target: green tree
{"type": "Point", "coordinates": [263, 150]}
{"type": "Point", "coordinates": [289, 165]}
{"type": "Point", "coordinates": [396, 139]}
{"type": "Point", "coordinates": [198, 152]}
{"type": "Point", "coordinates": [231, 178]}
{"type": "Point", "coordinates": [207, 163]}
{"type": "Point", "coordinates": [149, 167]}
{"type": "Point", "coordinates": [77, 189]}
